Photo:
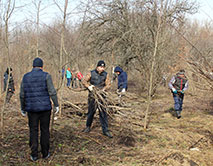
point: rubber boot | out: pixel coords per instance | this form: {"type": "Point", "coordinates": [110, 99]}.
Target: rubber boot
{"type": "Point", "coordinates": [178, 114]}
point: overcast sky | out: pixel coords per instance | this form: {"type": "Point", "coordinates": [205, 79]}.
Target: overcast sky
{"type": "Point", "coordinates": [51, 12]}
{"type": "Point", "coordinates": [205, 12]}
{"type": "Point", "coordinates": [48, 10]}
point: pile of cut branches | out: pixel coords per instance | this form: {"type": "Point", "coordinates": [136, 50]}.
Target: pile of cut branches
{"type": "Point", "coordinates": [118, 106]}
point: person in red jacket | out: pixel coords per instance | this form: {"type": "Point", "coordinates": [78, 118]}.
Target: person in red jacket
{"type": "Point", "coordinates": [80, 77]}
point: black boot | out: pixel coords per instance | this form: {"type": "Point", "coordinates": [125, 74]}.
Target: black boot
{"type": "Point", "coordinates": [87, 130]}
{"type": "Point", "coordinates": [108, 134]}
{"type": "Point", "coordinates": [33, 158]}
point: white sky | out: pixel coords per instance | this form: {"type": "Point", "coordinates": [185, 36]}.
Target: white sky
{"type": "Point", "coordinates": [51, 12]}
{"type": "Point", "coordinates": [205, 12]}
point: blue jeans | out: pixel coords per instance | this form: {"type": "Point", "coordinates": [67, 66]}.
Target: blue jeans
{"type": "Point", "coordinates": [178, 98]}
{"type": "Point", "coordinates": [68, 82]}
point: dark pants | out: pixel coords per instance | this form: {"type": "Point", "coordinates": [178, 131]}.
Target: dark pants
{"type": "Point", "coordinates": [9, 95]}
{"type": "Point", "coordinates": [80, 83]}
{"type": "Point", "coordinates": [91, 112]}
{"type": "Point", "coordinates": [74, 83]}
{"type": "Point", "coordinates": [42, 120]}
{"type": "Point", "coordinates": [178, 98]}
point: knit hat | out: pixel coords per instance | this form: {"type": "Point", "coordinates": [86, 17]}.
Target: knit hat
{"type": "Point", "coordinates": [37, 62]}
{"type": "Point", "coordinates": [101, 63]}
{"type": "Point", "coordinates": [181, 72]}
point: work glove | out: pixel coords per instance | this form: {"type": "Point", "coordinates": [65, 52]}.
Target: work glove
{"type": "Point", "coordinates": [103, 90]}
{"type": "Point", "coordinates": [23, 113]}
{"type": "Point", "coordinates": [91, 88]}
{"type": "Point", "coordinates": [56, 110]}
{"type": "Point", "coordinates": [174, 90]}
{"type": "Point", "coordinates": [123, 90]}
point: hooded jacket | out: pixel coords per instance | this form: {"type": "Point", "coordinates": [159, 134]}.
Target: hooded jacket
{"type": "Point", "coordinates": [122, 78]}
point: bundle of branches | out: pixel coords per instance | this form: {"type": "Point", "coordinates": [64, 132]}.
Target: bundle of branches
{"type": "Point", "coordinates": [116, 104]}
{"type": "Point", "coordinates": [107, 100]}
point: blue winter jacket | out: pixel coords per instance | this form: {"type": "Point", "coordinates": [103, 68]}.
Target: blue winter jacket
{"type": "Point", "coordinates": [36, 92]}
{"type": "Point", "coordinates": [122, 78]}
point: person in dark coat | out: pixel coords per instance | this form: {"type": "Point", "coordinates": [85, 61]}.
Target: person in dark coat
{"type": "Point", "coordinates": [98, 79]}
{"type": "Point", "coordinates": [6, 73]}
{"type": "Point", "coordinates": [122, 79]}
{"type": "Point", "coordinates": [11, 86]}
{"type": "Point", "coordinates": [36, 90]}
{"type": "Point", "coordinates": [178, 85]}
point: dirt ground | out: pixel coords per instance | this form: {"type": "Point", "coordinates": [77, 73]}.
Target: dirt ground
{"type": "Point", "coordinates": [168, 141]}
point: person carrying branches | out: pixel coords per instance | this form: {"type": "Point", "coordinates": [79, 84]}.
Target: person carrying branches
{"type": "Point", "coordinates": [97, 79]}
{"type": "Point", "coordinates": [178, 85]}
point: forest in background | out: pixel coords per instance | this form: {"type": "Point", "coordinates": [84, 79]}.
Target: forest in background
{"type": "Point", "coordinates": [135, 35]}
{"type": "Point", "coordinates": [149, 39]}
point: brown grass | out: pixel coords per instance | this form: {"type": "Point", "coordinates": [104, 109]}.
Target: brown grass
{"type": "Point", "coordinates": [167, 141]}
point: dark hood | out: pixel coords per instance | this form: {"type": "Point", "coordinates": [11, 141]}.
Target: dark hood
{"type": "Point", "coordinates": [118, 69]}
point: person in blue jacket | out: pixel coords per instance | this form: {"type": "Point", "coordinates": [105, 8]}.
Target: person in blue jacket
{"type": "Point", "coordinates": [122, 79]}
{"type": "Point", "coordinates": [35, 93]}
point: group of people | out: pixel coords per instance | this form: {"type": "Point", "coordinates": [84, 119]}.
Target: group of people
{"type": "Point", "coordinates": [73, 78]}
{"type": "Point", "coordinates": [37, 89]}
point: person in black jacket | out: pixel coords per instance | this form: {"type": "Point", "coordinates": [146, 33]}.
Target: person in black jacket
{"type": "Point", "coordinates": [11, 87]}
{"type": "Point", "coordinates": [99, 79]}
{"type": "Point", "coordinates": [35, 93]}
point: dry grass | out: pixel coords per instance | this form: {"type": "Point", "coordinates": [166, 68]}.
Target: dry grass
{"type": "Point", "coordinates": [167, 141]}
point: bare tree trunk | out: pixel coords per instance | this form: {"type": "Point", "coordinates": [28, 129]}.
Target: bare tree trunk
{"type": "Point", "coordinates": [37, 25]}
{"type": "Point", "coordinates": [62, 50]}
{"type": "Point", "coordinates": [149, 97]}
{"type": "Point", "coordinates": [8, 13]}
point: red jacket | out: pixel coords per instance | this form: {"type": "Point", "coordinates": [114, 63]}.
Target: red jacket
{"type": "Point", "coordinates": [80, 75]}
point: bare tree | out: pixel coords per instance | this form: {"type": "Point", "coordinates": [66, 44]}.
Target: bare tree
{"type": "Point", "coordinates": [198, 56]}
{"type": "Point", "coordinates": [159, 24]}
{"type": "Point", "coordinates": [132, 31]}
{"type": "Point", "coordinates": [62, 47]}
{"type": "Point", "coordinates": [10, 6]}
{"type": "Point", "coordinates": [37, 5]}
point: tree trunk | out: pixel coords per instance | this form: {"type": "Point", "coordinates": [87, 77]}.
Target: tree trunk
{"type": "Point", "coordinates": [6, 41]}
{"type": "Point", "coordinates": [149, 97]}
